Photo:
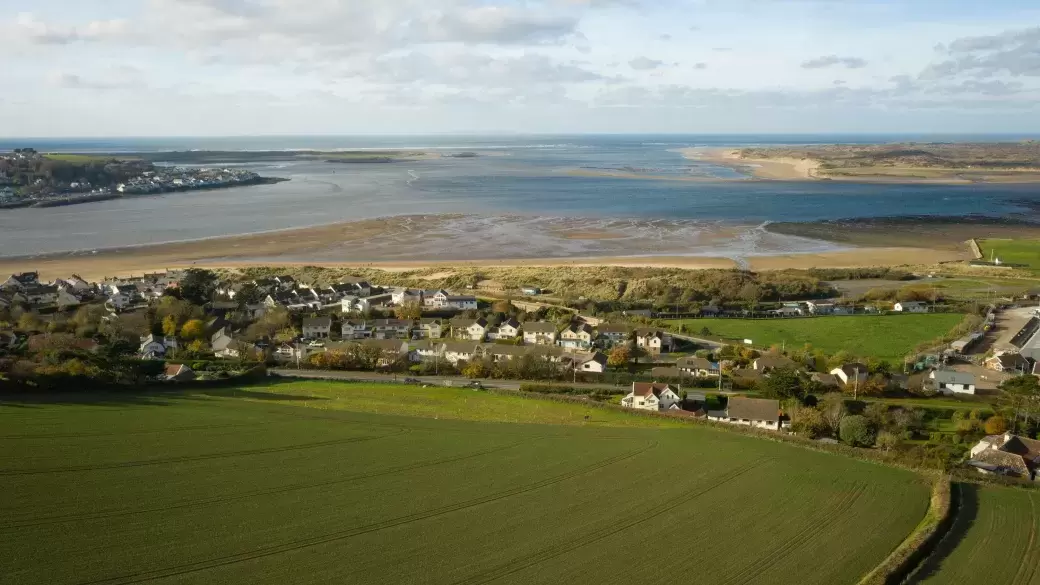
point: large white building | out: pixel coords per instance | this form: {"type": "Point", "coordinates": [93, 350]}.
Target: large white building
{"type": "Point", "coordinates": [652, 396]}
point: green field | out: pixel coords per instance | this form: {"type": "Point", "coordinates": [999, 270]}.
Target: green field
{"type": "Point", "coordinates": [1012, 251]}
{"type": "Point", "coordinates": [888, 337]}
{"type": "Point", "coordinates": [275, 486]}
{"type": "Point", "coordinates": [993, 541]}
{"type": "Point", "coordinates": [75, 158]}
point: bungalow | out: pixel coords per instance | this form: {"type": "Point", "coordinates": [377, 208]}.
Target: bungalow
{"type": "Point", "coordinates": [430, 328]}
{"type": "Point", "coordinates": [607, 335]}
{"type": "Point", "coordinates": [356, 286]}
{"type": "Point", "coordinates": [352, 329]}
{"type": "Point", "coordinates": [178, 373]}
{"type": "Point", "coordinates": [652, 396]}
{"type": "Point", "coordinates": [392, 328]}
{"type": "Point", "coordinates": [460, 351]}
{"type": "Point", "coordinates": [461, 303]}
{"type": "Point", "coordinates": [851, 374]}
{"type": "Point", "coordinates": [951, 382]}
{"type": "Point", "coordinates": [427, 349]}
{"type": "Point", "coordinates": [824, 380]}
{"type": "Point", "coordinates": [288, 351]}
{"type": "Point", "coordinates": [317, 327]}
{"type": "Point", "coordinates": [654, 341]}
{"type": "Point", "coordinates": [818, 308]}
{"type": "Point", "coordinates": [910, 307]}
{"type": "Point", "coordinates": [498, 352]}
{"type": "Point", "coordinates": [21, 280]}
{"type": "Point", "coordinates": [587, 362]}
{"type": "Point", "coordinates": [1007, 454]}
{"type": "Point", "coordinates": [531, 291]}
{"type": "Point", "coordinates": [40, 295]}
{"type": "Point", "coordinates": [390, 351]}
{"type": "Point", "coordinates": [539, 333]}
{"type": "Point", "coordinates": [285, 282]}
{"type": "Point", "coordinates": [1008, 362]}
{"type": "Point", "coordinates": [506, 330]}
{"type": "Point", "coordinates": [769, 362]}
{"type": "Point", "coordinates": [754, 412]}
{"type": "Point", "coordinates": [700, 367]}
{"type": "Point", "coordinates": [576, 336]}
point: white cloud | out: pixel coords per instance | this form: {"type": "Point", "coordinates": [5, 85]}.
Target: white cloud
{"type": "Point", "coordinates": [834, 61]}
{"type": "Point", "coordinates": [644, 63]}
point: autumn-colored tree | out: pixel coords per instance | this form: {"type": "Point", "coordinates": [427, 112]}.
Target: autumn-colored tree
{"type": "Point", "coordinates": [169, 326]}
{"type": "Point", "coordinates": [504, 306]}
{"type": "Point", "coordinates": [287, 334]}
{"type": "Point", "coordinates": [30, 322]}
{"type": "Point", "coordinates": [194, 329]}
{"type": "Point", "coordinates": [475, 369]}
{"type": "Point", "coordinates": [619, 356]}
{"type": "Point", "coordinates": [996, 425]}
{"type": "Point", "coordinates": [409, 311]}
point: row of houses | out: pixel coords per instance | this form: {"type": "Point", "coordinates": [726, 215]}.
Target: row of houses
{"type": "Point", "coordinates": [577, 335]}
{"type": "Point", "coordinates": [450, 352]}
{"type": "Point", "coordinates": [27, 289]}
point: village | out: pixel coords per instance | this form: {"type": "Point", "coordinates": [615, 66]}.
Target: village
{"type": "Point", "coordinates": [30, 178]}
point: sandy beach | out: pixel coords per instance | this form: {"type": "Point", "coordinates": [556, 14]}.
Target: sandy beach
{"type": "Point", "coordinates": [774, 169]}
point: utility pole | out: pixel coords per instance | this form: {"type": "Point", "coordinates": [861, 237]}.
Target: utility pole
{"type": "Point", "coordinates": [855, 387]}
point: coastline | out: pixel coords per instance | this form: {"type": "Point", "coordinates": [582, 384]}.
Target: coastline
{"type": "Point", "coordinates": [809, 169]}
{"type": "Point", "coordinates": [388, 244]}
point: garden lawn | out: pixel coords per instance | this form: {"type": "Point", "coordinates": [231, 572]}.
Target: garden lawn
{"type": "Point", "coordinates": [887, 337]}
{"type": "Point", "coordinates": [285, 484]}
{"type": "Point", "coordinates": [1013, 251]}
{"type": "Point", "coordinates": [992, 542]}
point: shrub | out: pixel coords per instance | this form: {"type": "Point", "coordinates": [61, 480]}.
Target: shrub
{"type": "Point", "coordinates": [996, 425]}
{"type": "Point", "coordinates": [857, 431]}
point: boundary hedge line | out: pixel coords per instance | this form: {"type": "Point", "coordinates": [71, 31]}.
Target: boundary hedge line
{"type": "Point", "coordinates": [909, 555]}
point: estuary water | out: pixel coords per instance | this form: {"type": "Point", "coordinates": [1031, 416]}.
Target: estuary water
{"type": "Point", "coordinates": [542, 178]}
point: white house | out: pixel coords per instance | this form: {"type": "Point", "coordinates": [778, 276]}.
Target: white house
{"type": "Point", "coordinates": [851, 374]}
{"type": "Point", "coordinates": [355, 330]}
{"type": "Point", "coordinates": [461, 303]}
{"type": "Point", "coordinates": [224, 345]}
{"type": "Point", "coordinates": [587, 362]}
{"type": "Point", "coordinates": [652, 396]}
{"type": "Point", "coordinates": [653, 341]}
{"type": "Point", "coordinates": [403, 296]}
{"type": "Point", "coordinates": [20, 281]}
{"type": "Point", "coordinates": [508, 329]}
{"type": "Point", "coordinates": [460, 351]}
{"type": "Point", "coordinates": [699, 367]}
{"type": "Point", "coordinates": [576, 336]}
{"type": "Point", "coordinates": [472, 329]}
{"type": "Point", "coordinates": [122, 296]}
{"type": "Point", "coordinates": [911, 307]}
{"type": "Point", "coordinates": [40, 295]}
{"type": "Point", "coordinates": [434, 299]}
{"type": "Point", "coordinates": [156, 346]}
{"type": "Point", "coordinates": [66, 300]}
{"type": "Point", "coordinates": [352, 304]}
{"type": "Point", "coordinates": [539, 333]}
{"type": "Point", "coordinates": [430, 328]}
{"type": "Point", "coordinates": [427, 349]}
{"type": "Point", "coordinates": [753, 412]}
{"type": "Point", "coordinates": [391, 328]}
{"type": "Point", "coordinates": [610, 335]}
{"type": "Point", "coordinates": [317, 327]}
{"type": "Point", "coordinates": [1006, 361]}
{"type": "Point", "coordinates": [951, 382]}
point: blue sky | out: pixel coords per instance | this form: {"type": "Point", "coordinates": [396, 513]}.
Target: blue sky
{"type": "Point", "coordinates": [251, 67]}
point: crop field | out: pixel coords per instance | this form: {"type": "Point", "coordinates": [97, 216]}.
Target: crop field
{"type": "Point", "coordinates": [1013, 251]}
{"type": "Point", "coordinates": [888, 337]}
{"type": "Point", "coordinates": [993, 541]}
{"type": "Point", "coordinates": [271, 485]}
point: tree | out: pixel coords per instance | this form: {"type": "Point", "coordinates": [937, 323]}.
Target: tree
{"type": "Point", "coordinates": [475, 369]}
{"type": "Point", "coordinates": [169, 326]}
{"type": "Point", "coordinates": [996, 425]}
{"type": "Point", "coordinates": [198, 286]}
{"type": "Point", "coordinates": [1022, 393]}
{"type": "Point", "coordinates": [877, 414]}
{"type": "Point", "coordinates": [833, 409]}
{"type": "Point", "coordinates": [248, 294]}
{"type": "Point", "coordinates": [619, 356]}
{"type": "Point", "coordinates": [886, 441]}
{"type": "Point", "coordinates": [504, 306]}
{"type": "Point", "coordinates": [782, 384]}
{"type": "Point", "coordinates": [194, 329]}
{"type": "Point", "coordinates": [287, 334]}
{"type": "Point", "coordinates": [808, 421]}
{"type": "Point", "coordinates": [30, 322]}
{"type": "Point", "coordinates": [856, 430]}
{"type": "Point", "coordinates": [409, 311]}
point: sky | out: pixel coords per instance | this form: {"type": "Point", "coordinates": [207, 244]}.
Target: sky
{"type": "Point", "coordinates": [299, 67]}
